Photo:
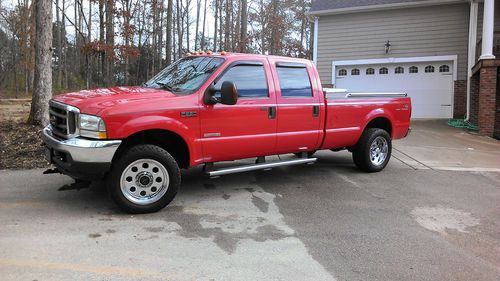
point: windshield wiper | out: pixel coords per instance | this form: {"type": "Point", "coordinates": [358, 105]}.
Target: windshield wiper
{"type": "Point", "coordinates": [165, 86]}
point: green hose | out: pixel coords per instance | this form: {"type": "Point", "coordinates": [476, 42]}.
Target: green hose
{"type": "Point", "coordinates": [463, 124]}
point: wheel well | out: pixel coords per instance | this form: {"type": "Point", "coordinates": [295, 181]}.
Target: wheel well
{"type": "Point", "coordinates": [170, 141]}
{"type": "Point", "coordinates": [381, 123]}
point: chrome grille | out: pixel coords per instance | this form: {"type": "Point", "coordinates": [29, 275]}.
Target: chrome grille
{"type": "Point", "coordinates": [63, 119]}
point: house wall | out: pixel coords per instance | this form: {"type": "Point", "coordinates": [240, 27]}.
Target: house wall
{"type": "Point", "coordinates": [413, 32]}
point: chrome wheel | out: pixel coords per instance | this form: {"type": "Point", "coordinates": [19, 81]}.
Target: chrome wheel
{"type": "Point", "coordinates": [144, 181]}
{"type": "Point", "coordinates": [378, 151]}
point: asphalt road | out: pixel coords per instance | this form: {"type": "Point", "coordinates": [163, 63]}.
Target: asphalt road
{"type": "Point", "coordinates": [325, 221]}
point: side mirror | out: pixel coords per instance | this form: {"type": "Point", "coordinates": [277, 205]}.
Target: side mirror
{"type": "Point", "coordinates": [228, 96]}
{"type": "Point", "coordinates": [209, 96]}
{"type": "Point", "coordinates": [229, 93]}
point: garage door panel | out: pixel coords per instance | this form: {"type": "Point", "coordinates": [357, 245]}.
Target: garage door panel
{"type": "Point", "coordinates": [431, 93]}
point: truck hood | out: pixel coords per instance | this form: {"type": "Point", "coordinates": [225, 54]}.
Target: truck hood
{"type": "Point", "coordinates": [94, 101]}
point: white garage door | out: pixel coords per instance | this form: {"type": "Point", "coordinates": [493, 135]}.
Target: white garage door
{"type": "Point", "coordinates": [430, 85]}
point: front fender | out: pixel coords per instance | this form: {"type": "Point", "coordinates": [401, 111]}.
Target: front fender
{"type": "Point", "coordinates": [156, 122]}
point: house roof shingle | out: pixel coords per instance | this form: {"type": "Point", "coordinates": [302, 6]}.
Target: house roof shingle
{"type": "Point", "coordinates": [322, 5]}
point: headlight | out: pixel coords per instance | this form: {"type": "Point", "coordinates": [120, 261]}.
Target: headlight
{"type": "Point", "coordinates": [92, 127]}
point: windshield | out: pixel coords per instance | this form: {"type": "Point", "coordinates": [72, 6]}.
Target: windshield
{"type": "Point", "coordinates": [185, 75]}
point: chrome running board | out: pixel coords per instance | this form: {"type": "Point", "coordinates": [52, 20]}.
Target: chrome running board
{"type": "Point", "coordinates": [260, 166]}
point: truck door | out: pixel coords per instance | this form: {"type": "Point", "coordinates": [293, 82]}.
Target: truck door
{"type": "Point", "coordinates": [299, 108]}
{"type": "Point", "coordinates": [248, 128]}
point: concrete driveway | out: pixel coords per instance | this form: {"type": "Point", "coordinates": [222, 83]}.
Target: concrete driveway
{"type": "Point", "coordinates": [434, 145]}
{"type": "Point", "coordinates": [326, 221]}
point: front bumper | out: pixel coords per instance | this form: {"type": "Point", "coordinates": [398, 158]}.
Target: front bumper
{"type": "Point", "coordinates": [78, 157]}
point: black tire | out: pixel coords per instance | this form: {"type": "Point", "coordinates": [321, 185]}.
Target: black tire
{"type": "Point", "coordinates": [309, 154]}
{"type": "Point", "coordinates": [361, 152]}
{"type": "Point", "coordinates": [151, 153]}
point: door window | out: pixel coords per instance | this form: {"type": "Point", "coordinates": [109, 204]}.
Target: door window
{"type": "Point", "coordinates": [250, 80]}
{"type": "Point", "coordinates": [294, 82]}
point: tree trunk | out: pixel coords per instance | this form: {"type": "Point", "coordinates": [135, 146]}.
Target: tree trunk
{"type": "Point", "coordinates": [203, 26]}
{"type": "Point", "coordinates": [43, 62]}
{"type": "Point", "coordinates": [179, 24]}
{"type": "Point", "coordinates": [102, 54]}
{"type": "Point", "coordinates": [188, 24]}
{"type": "Point", "coordinates": [243, 30]}
{"type": "Point", "coordinates": [109, 42]}
{"type": "Point", "coordinates": [197, 24]}
{"type": "Point", "coordinates": [216, 21]}
{"type": "Point", "coordinates": [226, 26]}
{"type": "Point", "coordinates": [168, 58]}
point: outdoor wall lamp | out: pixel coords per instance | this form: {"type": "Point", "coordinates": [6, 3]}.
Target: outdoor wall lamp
{"type": "Point", "coordinates": [387, 46]}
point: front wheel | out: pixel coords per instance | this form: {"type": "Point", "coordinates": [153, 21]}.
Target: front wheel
{"type": "Point", "coordinates": [144, 179]}
{"type": "Point", "coordinates": [373, 150]}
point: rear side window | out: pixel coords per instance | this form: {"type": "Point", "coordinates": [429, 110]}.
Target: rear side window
{"type": "Point", "coordinates": [250, 81]}
{"type": "Point", "coordinates": [294, 82]}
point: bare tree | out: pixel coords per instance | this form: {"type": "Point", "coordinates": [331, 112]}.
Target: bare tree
{"type": "Point", "coordinates": [203, 26]}
{"type": "Point", "coordinates": [169, 35]}
{"type": "Point", "coordinates": [198, 5]}
{"type": "Point", "coordinates": [243, 23]}
{"type": "Point", "coordinates": [43, 62]}
{"type": "Point", "coordinates": [216, 21]}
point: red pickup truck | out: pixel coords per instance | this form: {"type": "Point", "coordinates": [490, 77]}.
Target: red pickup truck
{"type": "Point", "coordinates": [208, 108]}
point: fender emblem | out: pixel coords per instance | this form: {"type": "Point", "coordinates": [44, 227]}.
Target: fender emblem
{"type": "Point", "coordinates": [189, 114]}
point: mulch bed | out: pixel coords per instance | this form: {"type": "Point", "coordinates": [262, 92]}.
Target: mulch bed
{"type": "Point", "coordinates": [21, 146]}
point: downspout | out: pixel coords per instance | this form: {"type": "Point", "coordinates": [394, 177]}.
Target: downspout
{"type": "Point", "coordinates": [472, 50]}
{"type": "Point", "coordinates": [315, 42]}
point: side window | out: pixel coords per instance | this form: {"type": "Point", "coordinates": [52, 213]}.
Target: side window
{"type": "Point", "coordinates": [294, 82]}
{"type": "Point", "coordinates": [250, 81]}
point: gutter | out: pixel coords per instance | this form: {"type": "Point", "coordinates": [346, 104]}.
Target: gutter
{"type": "Point", "coordinates": [379, 7]}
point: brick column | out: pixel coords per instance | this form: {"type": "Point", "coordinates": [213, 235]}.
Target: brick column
{"type": "Point", "coordinates": [487, 99]}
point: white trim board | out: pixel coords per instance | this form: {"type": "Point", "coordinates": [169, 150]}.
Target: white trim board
{"type": "Point", "coordinates": [453, 58]}
{"type": "Point", "coordinates": [370, 8]}
{"type": "Point", "coordinates": [315, 41]}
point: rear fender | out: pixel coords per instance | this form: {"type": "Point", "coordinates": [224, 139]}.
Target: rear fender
{"type": "Point", "coordinates": [376, 113]}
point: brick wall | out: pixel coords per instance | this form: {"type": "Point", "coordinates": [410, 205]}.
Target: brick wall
{"type": "Point", "coordinates": [474, 99]}
{"type": "Point", "coordinates": [460, 99]}
{"type": "Point", "coordinates": [487, 100]}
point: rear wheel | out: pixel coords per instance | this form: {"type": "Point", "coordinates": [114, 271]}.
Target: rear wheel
{"type": "Point", "coordinates": [145, 179]}
{"type": "Point", "coordinates": [373, 150]}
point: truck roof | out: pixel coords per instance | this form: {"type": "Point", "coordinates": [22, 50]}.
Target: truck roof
{"type": "Point", "coordinates": [247, 56]}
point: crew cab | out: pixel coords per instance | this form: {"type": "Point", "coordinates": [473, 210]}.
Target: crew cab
{"type": "Point", "coordinates": [208, 108]}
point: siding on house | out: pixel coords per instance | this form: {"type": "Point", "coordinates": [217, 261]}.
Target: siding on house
{"type": "Point", "coordinates": [413, 32]}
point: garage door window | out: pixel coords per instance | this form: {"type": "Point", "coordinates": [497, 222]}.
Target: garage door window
{"type": "Point", "coordinates": [355, 71]}
{"type": "Point", "coordinates": [413, 69]}
{"type": "Point", "coordinates": [429, 69]}
{"type": "Point", "coordinates": [444, 68]}
{"type": "Point", "coordinates": [399, 70]}
{"type": "Point", "coordinates": [383, 70]}
{"type": "Point", "coordinates": [342, 72]}
{"type": "Point", "coordinates": [370, 71]}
